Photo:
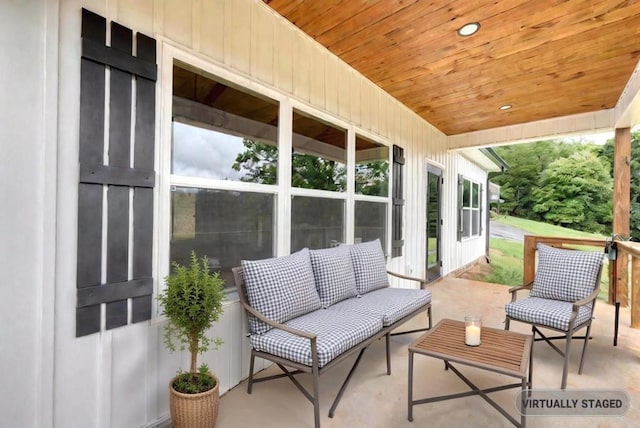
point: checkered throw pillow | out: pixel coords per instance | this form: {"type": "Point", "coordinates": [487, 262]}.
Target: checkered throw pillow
{"type": "Point", "coordinates": [568, 275]}
{"type": "Point", "coordinates": [333, 273]}
{"type": "Point", "coordinates": [369, 266]}
{"type": "Point", "coordinates": [280, 288]}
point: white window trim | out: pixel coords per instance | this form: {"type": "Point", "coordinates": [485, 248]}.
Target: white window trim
{"type": "Point", "coordinates": [471, 209]}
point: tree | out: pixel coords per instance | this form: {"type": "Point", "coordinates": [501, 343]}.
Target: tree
{"type": "Point", "coordinates": [260, 160]}
{"type": "Point", "coordinates": [372, 178]}
{"type": "Point", "coordinates": [576, 192]}
{"type": "Point", "coordinates": [526, 165]}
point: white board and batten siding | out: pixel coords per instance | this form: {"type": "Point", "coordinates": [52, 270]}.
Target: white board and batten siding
{"type": "Point", "coordinates": [119, 378]}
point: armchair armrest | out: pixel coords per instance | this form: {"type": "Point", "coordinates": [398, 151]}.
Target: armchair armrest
{"type": "Point", "coordinates": [277, 325]}
{"type": "Point", "coordinates": [422, 281]}
{"type": "Point", "coordinates": [590, 298]}
{"type": "Point", "coordinates": [514, 290]}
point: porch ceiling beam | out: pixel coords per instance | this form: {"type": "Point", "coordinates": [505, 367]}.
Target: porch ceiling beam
{"type": "Point", "coordinates": [577, 124]}
{"type": "Point", "coordinates": [627, 109]}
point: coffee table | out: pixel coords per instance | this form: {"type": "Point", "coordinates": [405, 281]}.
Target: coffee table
{"type": "Point", "coordinates": [505, 352]}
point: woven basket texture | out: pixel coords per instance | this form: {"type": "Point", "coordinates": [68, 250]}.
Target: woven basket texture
{"type": "Point", "coordinates": [194, 410]}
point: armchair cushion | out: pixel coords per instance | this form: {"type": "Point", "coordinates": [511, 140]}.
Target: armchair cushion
{"type": "Point", "coordinates": [566, 275]}
{"type": "Point", "coordinates": [281, 288]}
{"type": "Point", "coordinates": [370, 266]}
{"type": "Point", "coordinates": [333, 273]}
{"type": "Point", "coordinates": [547, 312]}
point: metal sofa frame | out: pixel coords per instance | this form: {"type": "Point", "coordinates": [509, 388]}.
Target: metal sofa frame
{"type": "Point", "coordinates": [314, 370]}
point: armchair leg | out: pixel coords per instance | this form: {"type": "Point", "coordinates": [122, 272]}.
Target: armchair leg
{"type": "Point", "coordinates": [506, 323]}
{"type": "Point", "coordinates": [584, 347]}
{"type": "Point", "coordinates": [565, 369]}
{"type": "Point", "coordinates": [250, 383]}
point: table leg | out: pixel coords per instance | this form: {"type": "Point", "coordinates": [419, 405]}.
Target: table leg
{"type": "Point", "coordinates": [410, 395]}
{"type": "Point", "coordinates": [523, 413]}
{"type": "Point", "coordinates": [531, 369]}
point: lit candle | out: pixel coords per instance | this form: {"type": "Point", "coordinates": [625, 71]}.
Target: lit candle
{"type": "Point", "coordinates": [472, 335]}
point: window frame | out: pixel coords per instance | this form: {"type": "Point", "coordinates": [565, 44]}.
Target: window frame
{"type": "Point", "coordinates": [474, 212]}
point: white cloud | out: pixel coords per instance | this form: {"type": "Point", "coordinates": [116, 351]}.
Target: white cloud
{"type": "Point", "coordinates": [200, 152]}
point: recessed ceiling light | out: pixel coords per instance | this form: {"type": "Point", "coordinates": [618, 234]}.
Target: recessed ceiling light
{"type": "Point", "coordinates": [469, 29]}
{"type": "Point", "coordinates": [505, 107]}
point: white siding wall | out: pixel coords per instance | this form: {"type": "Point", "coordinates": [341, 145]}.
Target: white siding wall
{"type": "Point", "coordinates": [27, 195]}
{"type": "Point", "coordinates": [119, 378]}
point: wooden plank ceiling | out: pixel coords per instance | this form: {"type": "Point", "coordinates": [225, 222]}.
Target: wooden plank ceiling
{"type": "Point", "coordinates": [546, 58]}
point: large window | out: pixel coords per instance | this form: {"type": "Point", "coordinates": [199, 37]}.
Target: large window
{"type": "Point", "coordinates": [223, 137]}
{"type": "Point", "coordinates": [227, 194]}
{"type": "Point", "coordinates": [470, 195]}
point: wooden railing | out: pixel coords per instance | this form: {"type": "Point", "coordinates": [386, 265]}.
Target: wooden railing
{"type": "Point", "coordinates": [628, 271]}
{"type": "Point", "coordinates": [618, 268]}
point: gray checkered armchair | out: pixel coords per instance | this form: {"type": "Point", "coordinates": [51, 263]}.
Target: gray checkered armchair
{"type": "Point", "coordinates": [561, 298]}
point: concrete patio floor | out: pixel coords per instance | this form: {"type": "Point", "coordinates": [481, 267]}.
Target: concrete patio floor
{"type": "Point", "coordinates": [374, 399]}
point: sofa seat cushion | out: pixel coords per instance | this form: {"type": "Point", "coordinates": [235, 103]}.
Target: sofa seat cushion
{"type": "Point", "coordinates": [336, 333]}
{"type": "Point", "coordinates": [369, 266]}
{"type": "Point", "coordinates": [390, 304]}
{"type": "Point", "coordinates": [333, 273]}
{"type": "Point", "coordinates": [281, 288]}
{"type": "Point", "coordinates": [568, 275]}
{"type": "Point", "coordinates": [547, 312]}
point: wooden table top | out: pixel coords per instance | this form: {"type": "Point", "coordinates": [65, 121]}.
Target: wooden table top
{"type": "Point", "coordinates": [501, 351]}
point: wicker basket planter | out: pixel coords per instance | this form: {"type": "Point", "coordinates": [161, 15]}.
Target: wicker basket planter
{"type": "Point", "coordinates": [194, 410]}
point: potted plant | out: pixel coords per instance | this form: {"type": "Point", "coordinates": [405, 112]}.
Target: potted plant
{"type": "Point", "coordinates": [192, 302]}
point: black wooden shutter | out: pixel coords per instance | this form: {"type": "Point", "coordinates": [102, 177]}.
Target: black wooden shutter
{"type": "Point", "coordinates": [480, 207]}
{"type": "Point", "coordinates": [460, 208]}
{"type": "Point", "coordinates": [397, 241]}
{"type": "Point", "coordinates": [129, 190]}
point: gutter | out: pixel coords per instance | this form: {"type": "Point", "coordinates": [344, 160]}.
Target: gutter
{"type": "Point", "coordinates": [495, 158]}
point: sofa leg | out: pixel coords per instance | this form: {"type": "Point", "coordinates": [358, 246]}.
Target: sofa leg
{"type": "Point", "coordinates": [345, 383]}
{"type": "Point", "coordinates": [387, 336]}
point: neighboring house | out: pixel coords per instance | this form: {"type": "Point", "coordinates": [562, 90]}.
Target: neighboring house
{"type": "Point", "coordinates": [224, 86]}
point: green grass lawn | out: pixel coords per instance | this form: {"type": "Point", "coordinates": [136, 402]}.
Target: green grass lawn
{"type": "Point", "coordinates": [506, 256]}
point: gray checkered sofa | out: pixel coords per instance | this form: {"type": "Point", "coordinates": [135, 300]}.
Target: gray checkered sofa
{"type": "Point", "coordinates": [312, 309]}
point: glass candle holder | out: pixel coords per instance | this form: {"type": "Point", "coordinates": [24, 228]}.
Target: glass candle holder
{"type": "Point", "coordinates": [472, 330]}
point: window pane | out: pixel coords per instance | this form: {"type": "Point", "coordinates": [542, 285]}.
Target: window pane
{"type": "Point", "coordinates": [475, 220]}
{"type": "Point", "coordinates": [372, 167]}
{"type": "Point", "coordinates": [319, 155]}
{"type": "Point", "coordinates": [371, 222]}
{"type": "Point", "coordinates": [475, 198]}
{"type": "Point", "coordinates": [466, 223]}
{"type": "Point", "coordinates": [316, 222]}
{"type": "Point", "coordinates": [226, 226]}
{"type": "Point", "coordinates": [222, 133]}
{"type": "Point", "coordinates": [466, 194]}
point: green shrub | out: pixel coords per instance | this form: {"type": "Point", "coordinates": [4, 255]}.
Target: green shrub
{"type": "Point", "coordinates": [192, 302]}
